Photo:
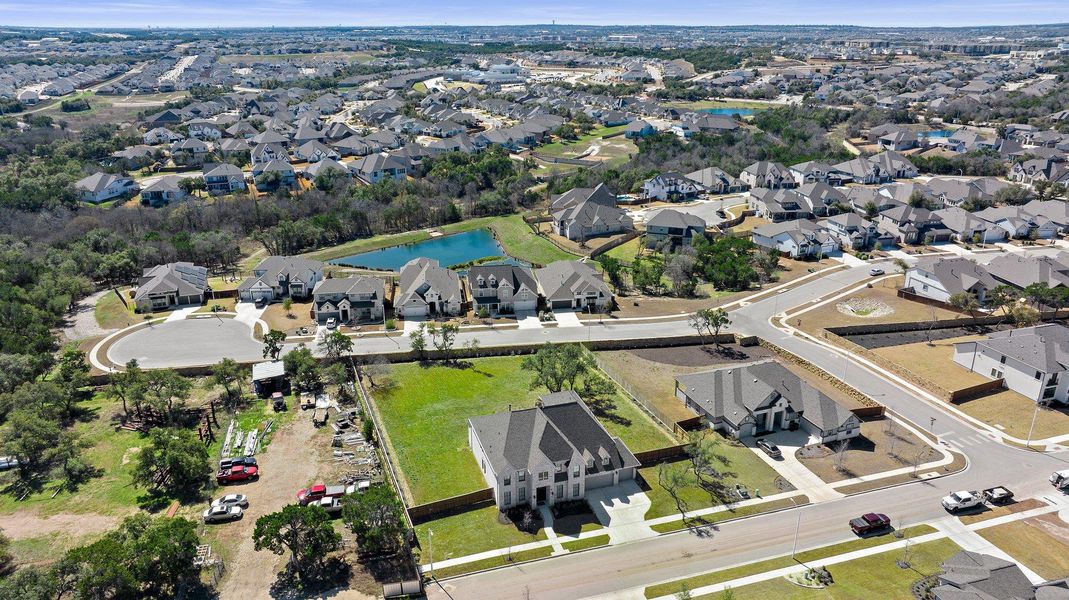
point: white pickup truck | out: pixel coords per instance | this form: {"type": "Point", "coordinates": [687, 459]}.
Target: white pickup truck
{"type": "Point", "coordinates": [962, 501]}
{"type": "Point", "coordinates": [1060, 479]}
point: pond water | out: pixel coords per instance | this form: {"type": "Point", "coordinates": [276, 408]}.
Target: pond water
{"type": "Point", "coordinates": [742, 112]}
{"type": "Point", "coordinates": [449, 250]}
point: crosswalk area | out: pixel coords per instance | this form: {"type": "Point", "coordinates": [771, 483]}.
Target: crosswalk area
{"type": "Point", "coordinates": [961, 442]}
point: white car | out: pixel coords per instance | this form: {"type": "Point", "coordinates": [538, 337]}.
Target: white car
{"type": "Point", "coordinates": [221, 514]}
{"type": "Point", "coordinates": [332, 323]}
{"type": "Point", "coordinates": [232, 500]}
{"type": "Point", "coordinates": [961, 501]}
{"type": "Point", "coordinates": [875, 271]}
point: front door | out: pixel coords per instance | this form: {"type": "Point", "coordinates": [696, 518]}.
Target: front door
{"type": "Point", "coordinates": [560, 492]}
{"type": "Point", "coordinates": [541, 493]}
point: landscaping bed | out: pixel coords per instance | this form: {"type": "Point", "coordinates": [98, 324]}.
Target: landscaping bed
{"type": "Point", "coordinates": [869, 453]}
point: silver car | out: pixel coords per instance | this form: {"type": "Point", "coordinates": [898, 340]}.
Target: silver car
{"type": "Point", "coordinates": [232, 500]}
{"type": "Point", "coordinates": [222, 514]}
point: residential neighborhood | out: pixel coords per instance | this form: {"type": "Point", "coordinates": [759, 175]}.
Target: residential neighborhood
{"type": "Point", "coordinates": [468, 302]}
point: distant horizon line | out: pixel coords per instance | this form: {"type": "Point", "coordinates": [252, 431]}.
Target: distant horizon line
{"type": "Point", "coordinates": [460, 26]}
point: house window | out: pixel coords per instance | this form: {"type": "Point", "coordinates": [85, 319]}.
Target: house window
{"type": "Point", "coordinates": [605, 461]}
{"type": "Point", "coordinates": [508, 498]}
{"type": "Point", "coordinates": [575, 490]}
{"type": "Point", "coordinates": [590, 464]}
{"type": "Point", "coordinates": [575, 471]}
{"type": "Point", "coordinates": [1039, 375]}
{"type": "Point", "coordinates": [508, 480]}
{"type": "Point", "coordinates": [1002, 360]}
{"type": "Point", "coordinates": [543, 476]}
{"type": "Point", "coordinates": [522, 495]}
{"type": "Point", "coordinates": [521, 476]}
{"type": "Point", "coordinates": [996, 374]}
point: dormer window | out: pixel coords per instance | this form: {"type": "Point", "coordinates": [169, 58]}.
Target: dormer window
{"type": "Point", "coordinates": [605, 461]}
{"type": "Point", "coordinates": [590, 463]}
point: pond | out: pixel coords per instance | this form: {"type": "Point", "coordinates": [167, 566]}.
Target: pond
{"type": "Point", "coordinates": [742, 112]}
{"type": "Point", "coordinates": [449, 250]}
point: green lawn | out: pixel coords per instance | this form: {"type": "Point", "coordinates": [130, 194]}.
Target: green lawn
{"type": "Point", "coordinates": [469, 533]}
{"type": "Point", "coordinates": [773, 564]}
{"type": "Point", "coordinates": [522, 243]}
{"type": "Point", "coordinates": [496, 561]}
{"type": "Point", "coordinates": [110, 313]}
{"type": "Point", "coordinates": [627, 251]}
{"type": "Point", "coordinates": [425, 415]}
{"type": "Point", "coordinates": [586, 543]}
{"type": "Point", "coordinates": [876, 576]}
{"type": "Point", "coordinates": [580, 145]}
{"type": "Point", "coordinates": [743, 466]}
{"type": "Point", "coordinates": [727, 515]}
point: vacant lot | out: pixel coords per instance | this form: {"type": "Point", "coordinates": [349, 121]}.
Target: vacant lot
{"type": "Point", "coordinates": [934, 362]}
{"type": "Point", "coordinates": [882, 446]}
{"type": "Point", "coordinates": [1040, 543]}
{"type": "Point", "coordinates": [299, 315]}
{"type": "Point", "coordinates": [876, 576]}
{"type": "Point", "coordinates": [883, 292]}
{"type": "Point", "coordinates": [111, 313]}
{"type": "Point", "coordinates": [592, 145]}
{"type": "Point", "coordinates": [425, 414]}
{"type": "Point", "coordinates": [627, 251]}
{"type": "Point", "coordinates": [1011, 412]}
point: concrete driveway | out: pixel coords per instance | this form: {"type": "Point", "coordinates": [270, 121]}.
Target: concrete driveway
{"type": "Point", "coordinates": [567, 318]}
{"type": "Point", "coordinates": [622, 510]}
{"type": "Point", "coordinates": [791, 468]}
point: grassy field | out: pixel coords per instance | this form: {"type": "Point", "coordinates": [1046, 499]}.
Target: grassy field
{"type": "Point", "coordinates": [727, 515]}
{"type": "Point", "coordinates": [773, 564]}
{"type": "Point", "coordinates": [1028, 542]}
{"type": "Point", "coordinates": [612, 148]}
{"type": "Point", "coordinates": [470, 532]}
{"type": "Point", "coordinates": [425, 415]}
{"type": "Point", "coordinates": [586, 543]}
{"type": "Point", "coordinates": [522, 243]}
{"type": "Point", "coordinates": [1011, 412]}
{"type": "Point", "coordinates": [876, 576]}
{"type": "Point", "coordinates": [111, 313]}
{"type": "Point", "coordinates": [627, 251]}
{"type": "Point", "coordinates": [934, 362]}
{"type": "Point", "coordinates": [742, 466]}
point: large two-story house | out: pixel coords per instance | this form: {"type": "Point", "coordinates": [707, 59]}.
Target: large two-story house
{"type": "Point", "coordinates": [767, 174]}
{"type": "Point", "coordinates": [99, 187]}
{"type": "Point", "coordinates": [551, 453]}
{"type": "Point", "coordinates": [277, 277]}
{"type": "Point", "coordinates": [223, 178]}
{"type": "Point", "coordinates": [173, 284]}
{"type": "Point", "coordinates": [503, 288]}
{"type": "Point", "coordinates": [428, 290]}
{"type": "Point", "coordinates": [1031, 361]}
{"type": "Point", "coordinates": [582, 213]}
{"type": "Point", "coordinates": [349, 299]}
{"type": "Point", "coordinates": [671, 187]}
{"type": "Point", "coordinates": [941, 278]}
{"type": "Point", "coordinates": [573, 284]}
{"type": "Point", "coordinates": [674, 227]}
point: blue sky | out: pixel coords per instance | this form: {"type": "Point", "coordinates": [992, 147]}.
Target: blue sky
{"type": "Point", "coordinates": [214, 13]}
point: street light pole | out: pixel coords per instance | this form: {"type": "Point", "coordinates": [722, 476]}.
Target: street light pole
{"type": "Point", "coordinates": [1031, 428]}
{"type": "Point", "coordinates": [430, 544]}
{"type": "Point", "coordinates": [797, 530]}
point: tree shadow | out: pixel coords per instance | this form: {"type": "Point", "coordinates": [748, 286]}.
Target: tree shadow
{"type": "Point", "coordinates": [604, 407]}
{"type": "Point", "coordinates": [331, 573]}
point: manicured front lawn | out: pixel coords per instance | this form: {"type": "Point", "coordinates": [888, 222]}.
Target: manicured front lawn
{"type": "Point", "coordinates": [870, 453]}
{"type": "Point", "coordinates": [495, 561]}
{"type": "Point", "coordinates": [742, 466]}
{"type": "Point", "coordinates": [782, 562]}
{"type": "Point", "coordinates": [522, 243]}
{"type": "Point", "coordinates": [470, 532]}
{"type": "Point", "coordinates": [111, 313]}
{"type": "Point", "coordinates": [1027, 542]}
{"type": "Point", "coordinates": [727, 515]}
{"type": "Point", "coordinates": [586, 543]}
{"type": "Point", "coordinates": [876, 576]}
{"type": "Point", "coordinates": [224, 304]}
{"type": "Point", "coordinates": [425, 415]}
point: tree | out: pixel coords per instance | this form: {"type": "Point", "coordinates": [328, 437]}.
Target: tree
{"type": "Point", "coordinates": [229, 374]}
{"type": "Point", "coordinates": [768, 263]}
{"type": "Point", "coordinates": [273, 343]}
{"type": "Point", "coordinates": [674, 481]}
{"type": "Point", "coordinates": [31, 437]}
{"type": "Point", "coordinates": [964, 302]}
{"type": "Point", "coordinates": [711, 321]}
{"type": "Point", "coordinates": [73, 373]}
{"type": "Point", "coordinates": [287, 305]}
{"type": "Point", "coordinates": [375, 517]}
{"type": "Point", "coordinates": [444, 338]}
{"type": "Point", "coordinates": [1024, 315]}
{"type": "Point", "coordinates": [558, 366]}
{"type": "Point", "coordinates": [647, 272]}
{"type": "Point", "coordinates": [680, 271]}
{"type": "Point", "coordinates": [706, 457]}
{"type": "Point", "coordinates": [305, 532]}
{"type": "Point", "coordinates": [614, 270]}
{"type": "Point", "coordinates": [166, 392]}
{"type": "Point", "coordinates": [1003, 298]}
{"type": "Point", "coordinates": [174, 462]}
{"type": "Point", "coordinates": [418, 340]}
{"type": "Point", "coordinates": [128, 385]}
{"type": "Point", "coordinates": [336, 344]}
{"type": "Point", "coordinates": [303, 367]}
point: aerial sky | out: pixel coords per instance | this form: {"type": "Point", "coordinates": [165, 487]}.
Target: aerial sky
{"type": "Point", "coordinates": [281, 13]}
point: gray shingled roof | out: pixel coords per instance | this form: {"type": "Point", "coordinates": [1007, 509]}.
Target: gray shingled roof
{"type": "Point", "coordinates": [1043, 347]}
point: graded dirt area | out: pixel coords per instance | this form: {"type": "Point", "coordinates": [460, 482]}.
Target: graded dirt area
{"type": "Point", "coordinates": [25, 524]}
{"type": "Point", "coordinates": [869, 453]}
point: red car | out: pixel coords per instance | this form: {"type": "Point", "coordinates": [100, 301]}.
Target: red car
{"type": "Point", "coordinates": [319, 491]}
{"type": "Point", "coordinates": [238, 473]}
{"type": "Point", "coordinates": [869, 523]}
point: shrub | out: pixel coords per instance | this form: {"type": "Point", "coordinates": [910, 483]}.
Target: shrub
{"type": "Point", "coordinates": [390, 324]}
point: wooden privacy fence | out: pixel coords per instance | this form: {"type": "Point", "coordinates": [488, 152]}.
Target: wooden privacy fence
{"type": "Point", "coordinates": [652, 457]}
{"type": "Point", "coordinates": [461, 503]}
{"type": "Point", "coordinates": [959, 396]}
{"type": "Point", "coordinates": [620, 241]}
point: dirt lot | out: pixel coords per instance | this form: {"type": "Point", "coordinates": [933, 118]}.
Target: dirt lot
{"type": "Point", "coordinates": [883, 292]}
{"type": "Point", "coordinates": [276, 318]}
{"type": "Point", "coordinates": [869, 453]}
{"type": "Point", "coordinates": [1011, 412]}
{"type": "Point", "coordinates": [934, 362]}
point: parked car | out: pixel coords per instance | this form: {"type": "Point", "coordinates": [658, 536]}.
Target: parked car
{"type": "Point", "coordinates": [875, 271]}
{"type": "Point", "coordinates": [869, 523]}
{"type": "Point", "coordinates": [332, 323]}
{"type": "Point", "coordinates": [221, 514]}
{"type": "Point", "coordinates": [721, 213]}
{"type": "Point", "coordinates": [232, 500]}
{"type": "Point", "coordinates": [238, 473]}
{"type": "Point", "coordinates": [769, 448]}
{"type": "Point", "coordinates": [331, 505]}
{"type": "Point", "coordinates": [320, 491]}
{"type": "Point", "coordinates": [962, 501]}
{"type": "Point", "coordinates": [997, 495]}
{"type": "Point", "coordinates": [1060, 479]}
{"type": "Point", "coordinates": [227, 463]}
{"type": "Point", "coordinates": [8, 462]}
{"type": "Point", "coordinates": [260, 303]}
{"type": "Point", "coordinates": [278, 402]}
